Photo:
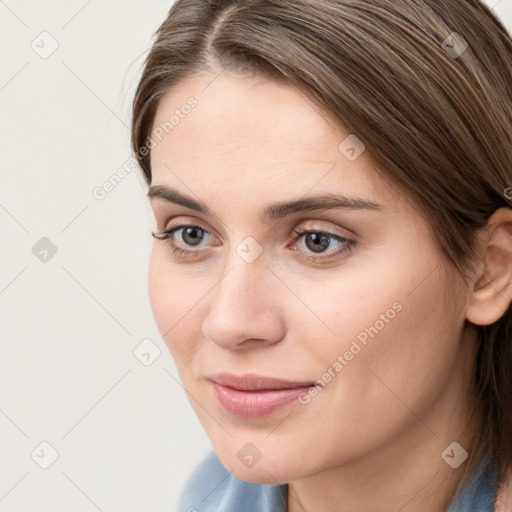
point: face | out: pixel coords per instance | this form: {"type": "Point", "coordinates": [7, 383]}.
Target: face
{"type": "Point", "coordinates": [355, 308]}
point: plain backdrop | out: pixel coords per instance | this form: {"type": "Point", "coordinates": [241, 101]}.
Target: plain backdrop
{"type": "Point", "coordinates": [92, 413]}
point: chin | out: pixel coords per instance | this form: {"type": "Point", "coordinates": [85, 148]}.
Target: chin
{"type": "Point", "coordinates": [267, 470]}
{"type": "Point", "coordinates": [259, 475]}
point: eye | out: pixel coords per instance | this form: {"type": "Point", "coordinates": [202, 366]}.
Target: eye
{"type": "Point", "coordinates": [318, 241]}
{"type": "Point", "coordinates": [191, 235]}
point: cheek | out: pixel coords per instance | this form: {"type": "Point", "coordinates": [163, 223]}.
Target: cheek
{"type": "Point", "coordinates": [393, 305]}
{"type": "Point", "coordinates": [160, 284]}
{"type": "Point", "coordinates": [173, 300]}
{"type": "Point", "coordinates": [344, 309]}
{"type": "Point", "coordinates": [388, 313]}
{"type": "Point", "coordinates": [398, 342]}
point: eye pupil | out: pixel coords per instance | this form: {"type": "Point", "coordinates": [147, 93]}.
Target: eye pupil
{"type": "Point", "coordinates": [190, 232]}
{"type": "Point", "coordinates": [320, 242]}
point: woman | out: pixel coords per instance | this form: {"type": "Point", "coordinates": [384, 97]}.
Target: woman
{"type": "Point", "coordinates": [332, 261]}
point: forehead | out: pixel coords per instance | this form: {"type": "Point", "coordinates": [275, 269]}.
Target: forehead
{"type": "Point", "coordinates": [238, 110]}
{"type": "Point", "coordinates": [251, 132]}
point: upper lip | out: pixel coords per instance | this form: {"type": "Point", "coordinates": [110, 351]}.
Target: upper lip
{"type": "Point", "coordinates": [253, 382]}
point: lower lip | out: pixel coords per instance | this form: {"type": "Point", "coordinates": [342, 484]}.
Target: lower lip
{"type": "Point", "coordinates": [255, 404]}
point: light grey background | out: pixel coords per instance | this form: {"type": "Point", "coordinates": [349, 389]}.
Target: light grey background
{"type": "Point", "coordinates": [125, 433]}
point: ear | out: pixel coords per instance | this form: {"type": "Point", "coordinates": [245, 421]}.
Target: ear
{"type": "Point", "coordinates": [492, 287]}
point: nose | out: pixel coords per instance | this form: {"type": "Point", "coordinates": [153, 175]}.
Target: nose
{"type": "Point", "coordinates": [245, 308]}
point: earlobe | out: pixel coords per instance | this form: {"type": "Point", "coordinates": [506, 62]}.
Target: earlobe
{"type": "Point", "coordinates": [492, 288]}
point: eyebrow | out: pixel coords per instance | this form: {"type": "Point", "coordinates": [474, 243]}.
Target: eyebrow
{"type": "Point", "coordinates": [276, 210]}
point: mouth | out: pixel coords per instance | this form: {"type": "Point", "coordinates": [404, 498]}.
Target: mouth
{"type": "Point", "coordinates": [254, 396]}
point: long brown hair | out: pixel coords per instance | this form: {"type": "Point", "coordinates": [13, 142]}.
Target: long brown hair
{"type": "Point", "coordinates": [435, 114]}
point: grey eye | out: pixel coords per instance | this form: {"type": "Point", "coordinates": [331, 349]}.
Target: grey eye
{"type": "Point", "coordinates": [190, 235]}
{"type": "Point", "coordinates": [317, 242]}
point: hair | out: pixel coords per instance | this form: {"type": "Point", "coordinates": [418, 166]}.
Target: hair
{"type": "Point", "coordinates": [437, 122]}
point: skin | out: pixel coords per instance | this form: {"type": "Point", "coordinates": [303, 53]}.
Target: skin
{"type": "Point", "coordinates": [372, 438]}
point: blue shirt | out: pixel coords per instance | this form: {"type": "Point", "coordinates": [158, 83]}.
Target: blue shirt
{"type": "Point", "coordinates": [211, 488]}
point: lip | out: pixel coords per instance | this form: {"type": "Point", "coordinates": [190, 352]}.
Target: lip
{"type": "Point", "coordinates": [253, 382]}
{"type": "Point", "coordinates": [254, 396]}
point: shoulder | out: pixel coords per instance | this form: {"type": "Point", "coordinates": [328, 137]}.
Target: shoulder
{"type": "Point", "coordinates": [211, 487]}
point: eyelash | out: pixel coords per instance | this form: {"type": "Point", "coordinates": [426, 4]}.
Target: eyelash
{"type": "Point", "coordinates": [299, 233]}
